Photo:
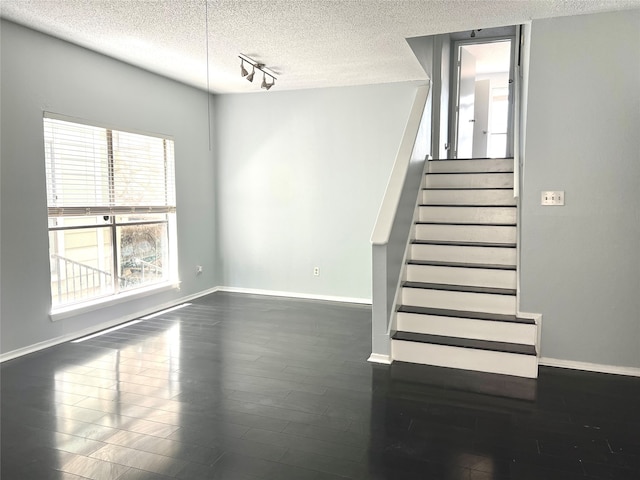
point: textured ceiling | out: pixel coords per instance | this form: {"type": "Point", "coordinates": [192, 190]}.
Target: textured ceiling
{"type": "Point", "coordinates": [307, 43]}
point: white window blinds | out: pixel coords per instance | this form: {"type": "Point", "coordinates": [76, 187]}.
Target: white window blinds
{"type": "Point", "coordinates": [97, 171]}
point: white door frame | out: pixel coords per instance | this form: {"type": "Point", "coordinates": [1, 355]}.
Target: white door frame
{"type": "Point", "coordinates": [455, 83]}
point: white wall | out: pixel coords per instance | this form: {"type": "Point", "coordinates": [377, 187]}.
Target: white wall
{"type": "Point", "coordinates": [42, 73]}
{"type": "Point", "coordinates": [301, 178]}
{"type": "Point", "coordinates": [580, 264]}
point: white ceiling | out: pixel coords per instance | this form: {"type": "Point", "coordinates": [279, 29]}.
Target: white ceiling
{"type": "Point", "coordinates": [307, 43]}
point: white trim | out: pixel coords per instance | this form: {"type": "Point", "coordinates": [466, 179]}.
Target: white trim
{"type": "Point", "coordinates": [109, 301]}
{"type": "Point", "coordinates": [393, 191]}
{"type": "Point", "coordinates": [126, 318]}
{"type": "Point", "coordinates": [96, 328]}
{"type": "Point", "coordinates": [188, 298]}
{"type": "Point", "coordinates": [590, 367]}
{"type": "Point", "coordinates": [379, 358]}
{"type": "Point", "coordinates": [536, 317]}
{"type": "Point", "coordinates": [392, 321]}
{"type": "Point", "coordinates": [308, 296]}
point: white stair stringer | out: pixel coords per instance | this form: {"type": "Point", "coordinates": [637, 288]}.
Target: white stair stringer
{"type": "Point", "coordinates": [458, 300]}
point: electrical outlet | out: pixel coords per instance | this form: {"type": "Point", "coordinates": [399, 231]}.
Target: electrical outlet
{"type": "Point", "coordinates": [198, 269]}
{"type": "Point", "coordinates": [552, 198]}
{"type": "Point", "coordinates": [316, 271]}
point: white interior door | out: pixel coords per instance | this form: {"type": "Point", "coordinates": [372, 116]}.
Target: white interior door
{"type": "Point", "coordinates": [481, 116]}
{"type": "Point", "coordinates": [466, 100]}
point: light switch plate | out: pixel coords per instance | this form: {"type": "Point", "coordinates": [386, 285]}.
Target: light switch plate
{"type": "Point", "coordinates": [552, 198]}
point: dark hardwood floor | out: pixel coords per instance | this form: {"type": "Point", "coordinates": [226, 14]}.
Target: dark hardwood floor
{"type": "Point", "coordinates": [244, 387]}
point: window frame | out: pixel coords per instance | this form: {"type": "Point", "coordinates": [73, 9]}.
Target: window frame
{"type": "Point", "coordinates": [164, 216]}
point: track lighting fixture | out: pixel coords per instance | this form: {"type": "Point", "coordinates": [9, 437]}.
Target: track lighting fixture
{"type": "Point", "coordinates": [256, 66]}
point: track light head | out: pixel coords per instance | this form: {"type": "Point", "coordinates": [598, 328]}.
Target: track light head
{"type": "Point", "coordinates": [243, 71]}
{"type": "Point", "coordinates": [253, 72]}
{"type": "Point", "coordinates": [266, 85]}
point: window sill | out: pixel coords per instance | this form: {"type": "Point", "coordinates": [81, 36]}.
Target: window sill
{"type": "Point", "coordinates": [90, 306]}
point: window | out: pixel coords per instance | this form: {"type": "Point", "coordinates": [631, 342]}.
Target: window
{"type": "Point", "coordinates": [111, 203]}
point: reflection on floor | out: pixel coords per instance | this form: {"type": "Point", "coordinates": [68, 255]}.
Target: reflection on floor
{"type": "Point", "coordinates": [244, 387]}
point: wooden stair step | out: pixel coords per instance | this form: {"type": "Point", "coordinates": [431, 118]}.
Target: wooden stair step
{"type": "Point", "coordinates": [460, 288]}
{"type": "Point", "coordinates": [441, 312]}
{"type": "Point", "coordinates": [487, 266]}
{"type": "Point", "coordinates": [467, 173]}
{"type": "Point", "coordinates": [469, 158]}
{"type": "Point", "coordinates": [469, 224]}
{"type": "Point", "coordinates": [458, 205]}
{"type": "Point", "coordinates": [467, 188]}
{"type": "Point", "coordinates": [464, 244]}
{"type": "Point", "coordinates": [488, 345]}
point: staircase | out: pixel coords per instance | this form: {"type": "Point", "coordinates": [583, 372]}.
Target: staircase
{"type": "Point", "coordinates": [458, 299]}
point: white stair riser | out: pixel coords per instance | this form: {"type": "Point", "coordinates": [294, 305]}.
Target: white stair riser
{"type": "Point", "coordinates": [479, 277]}
{"type": "Point", "coordinates": [469, 197]}
{"type": "Point", "coordinates": [467, 328]}
{"type": "Point", "coordinates": [466, 301]}
{"type": "Point", "coordinates": [492, 165]}
{"type": "Point", "coordinates": [466, 233]}
{"type": "Point", "coordinates": [489, 180]}
{"type": "Point", "coordinates": [465, 358]}
{"type": "Point", "coordinates": [476, 215]}
{"type": "Point", "coordinates": [454, 253]}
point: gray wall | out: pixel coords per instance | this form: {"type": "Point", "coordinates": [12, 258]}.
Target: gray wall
{"type": "Point", "coordinates": [424, 50]}
{"type": "Point", "coordinates": [580, 264]}
{"type": "Point", "coordinates": [42, 73]}
{"type": "Point", "coordinates": [302, 175]}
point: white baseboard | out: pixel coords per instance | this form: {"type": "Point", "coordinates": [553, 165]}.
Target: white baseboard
{"type": "Point", "coordinates": [378, 358]}
{"type": "Point", "coordinates": [589, 367]}
{"type": "Point", "coordinates": [102, 326]}
{"type": "Point", "coordinates": [308, 296]}
{"type": "Point", "coordinates": [188, 298]}
{"type": "Point", "coordinates": [126, 318]}
{"type": "Point", "coordinates": [536, 317]}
